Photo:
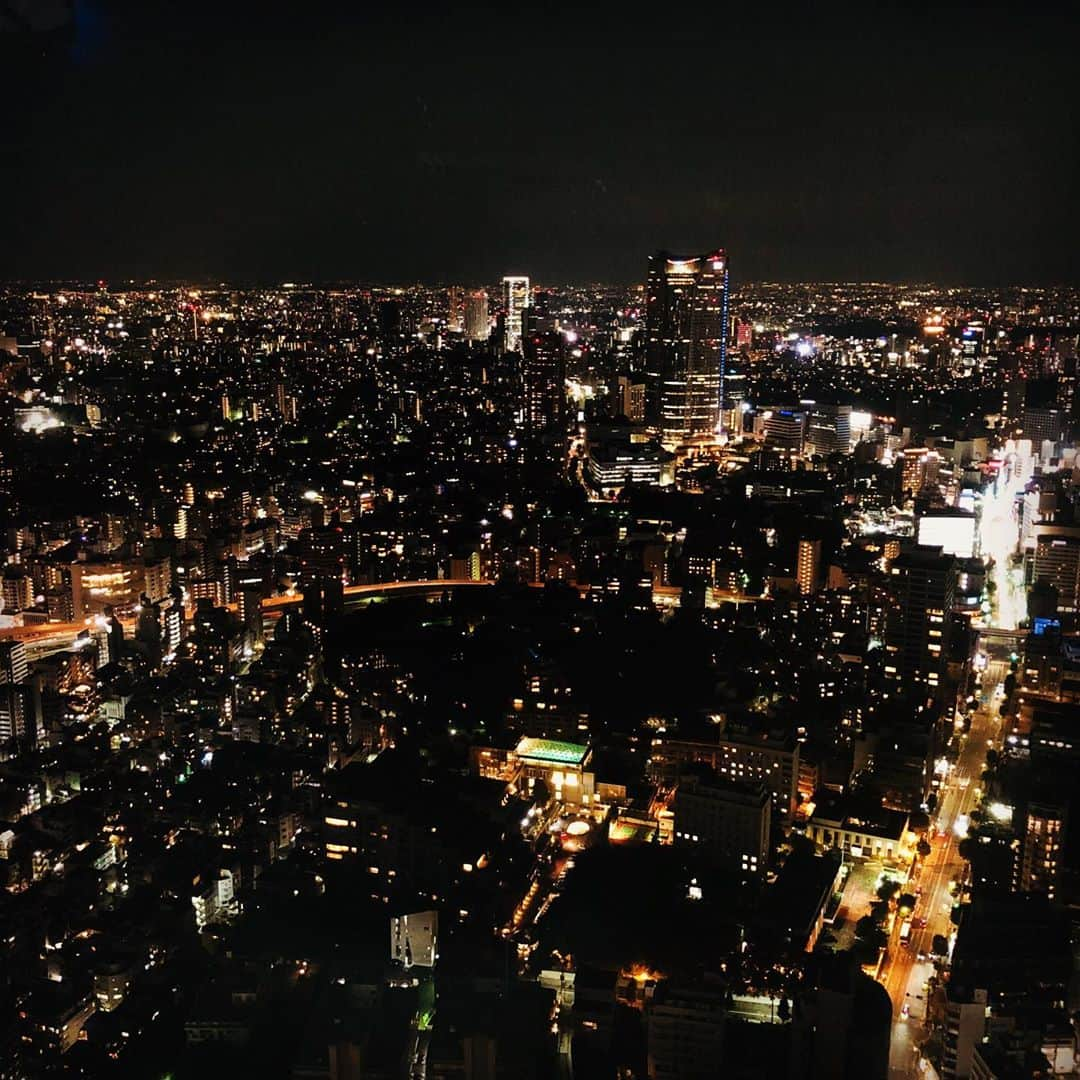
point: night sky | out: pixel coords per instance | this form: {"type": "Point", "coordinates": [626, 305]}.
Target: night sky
{"type": "Point", "coordinates": [307, 141]}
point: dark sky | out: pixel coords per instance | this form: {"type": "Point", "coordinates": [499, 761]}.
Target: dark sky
{"type": "Point", "coordinates": [317, 141]}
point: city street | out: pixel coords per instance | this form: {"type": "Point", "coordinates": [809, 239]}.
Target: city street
{"type": "Point", "coordinates": [998, 535]}
{"type": "Point", "coordinates": [905, 975]}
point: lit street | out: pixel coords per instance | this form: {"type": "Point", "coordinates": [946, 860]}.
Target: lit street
{"type": "Point", "coordinates": [905, 974]}
{"type": "Point", "coordinates": [515, 530]}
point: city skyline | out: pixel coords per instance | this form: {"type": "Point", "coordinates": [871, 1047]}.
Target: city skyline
{"type": "Point", "coordinates": [326, 612]}
{"type": "Point", "coordinates": [539, 542]}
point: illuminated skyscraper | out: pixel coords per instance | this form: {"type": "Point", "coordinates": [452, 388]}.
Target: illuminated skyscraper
{"type": "Point", "coordinates": [516, 298]}
{"type": "Point", "coordinates": [543, 377]}
{"type": "Point", "coordinates": [808, 568]}
{"type": "Point", "coordinates": [477, 326]}
{"type": "Point", "coordinates": [686, 343]}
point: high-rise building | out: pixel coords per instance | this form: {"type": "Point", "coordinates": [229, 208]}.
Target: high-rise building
{"type": "Point", "coordinates": [1056, 561]}
{"type": "Point", "coordinates": [1042, 425]}
{"type": "Point", "coordinates": [828, 429]}
{"type": "Point", "coordinates": [686, 343]}
{"type": "Point", "coordinates": [631, 399]}
{"type": "Point", "coordinates": [477, 323]}
{"type": "Point", "coordinates": [19, 704]}
{"type": "Point", "coordinates": [808, 566]}
{"type": "Point", "coordinates": [1013, 391]}
{"type": "Point", "coordinates": [913, 461]}
{"type": "Point", "coordinates": [18, 590]}
{"type": "Point", "coordinates": [965, 1026]}
{"type": "Point", "coordinates": [249, 608]}
{"type": "Point", "coordinates": [917, 624]}
{"type": "Point", "coordinates": [516, 298]}
{"type": "Point", "coordinates": [543, 378]}
{"type": "Point", "coordinates": [783, 429]}
{"type": "Point", "coordinates": [322, 569]}
{"type": "Point", "coordinates": [1039, 857]}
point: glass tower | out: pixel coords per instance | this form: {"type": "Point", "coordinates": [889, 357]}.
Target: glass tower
{"type": "Point", "coordinates": [686, 344]}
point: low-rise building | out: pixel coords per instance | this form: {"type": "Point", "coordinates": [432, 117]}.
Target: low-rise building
{"type": "Point", "coordinates": [842, 823]}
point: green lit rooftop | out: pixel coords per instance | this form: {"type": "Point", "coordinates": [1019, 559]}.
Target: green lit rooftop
{"type": "Point", "coordinates": [552, 751]}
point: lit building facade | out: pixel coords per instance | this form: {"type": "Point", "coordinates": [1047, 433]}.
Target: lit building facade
{"type": "Point", "coordinates": [477, 322]}
{"type": "Point", "coordinates": [917, 624]}
{"type": "Point", "coordinates": [1038, 860]}
{"type": "Point", "coordinates": [686, 344]}
{"type": "Point", "coordinates": [771, 758]}
{"type": "Point", "coordinates": [516, 298]}
{"type": "Point", "coordinates": [808, 566]}
{"type": "Point", "coordinates": [562, 766]}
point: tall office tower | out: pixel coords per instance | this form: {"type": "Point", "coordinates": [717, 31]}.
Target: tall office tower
{"type": "Point", "coordinates": [543, 377]}
{"type": "Point", "coordinates": [808, 566]}
{"type": "Point", "coordinates": [322, 566]}
{"type": "Point", "coordinates": [477, 323]}
{"type": "Point", "coordinates": [516, 298]}
{"type": "Point", "coordinates": [1037, 866]}
{"type": "Point", "coordinates": [829, 429]}
{"type": "Point", "coordinates": [686, 321]}
{"type": "Point", "coordinates": [455, 316]}
{"type": "Point", "coordinates": [917, 624]}
{"type": "Point", "coordinates": [783, 430]}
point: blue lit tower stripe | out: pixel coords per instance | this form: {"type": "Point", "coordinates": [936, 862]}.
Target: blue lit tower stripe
{"type": "Point", "coordinates": [723, 342]}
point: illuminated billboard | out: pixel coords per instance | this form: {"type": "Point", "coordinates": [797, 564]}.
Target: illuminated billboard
{"type": "Point", "coordinates": [954, 533]}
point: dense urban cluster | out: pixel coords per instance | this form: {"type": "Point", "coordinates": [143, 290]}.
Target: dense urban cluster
{"type": "Point", "coordinates": [533, 681]}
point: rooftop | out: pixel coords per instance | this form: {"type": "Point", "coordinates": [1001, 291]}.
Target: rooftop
{"type": "Point", "coordinates": [857, 815]}
{"type": "Point", "coordinates": [552, 751]}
